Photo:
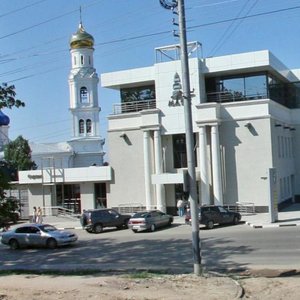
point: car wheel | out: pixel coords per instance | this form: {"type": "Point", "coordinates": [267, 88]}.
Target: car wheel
{"type": "Point", "coordinates": [235, 220]}
{"type": "Point", "coordinates": [126, 223]}
{"type": "Point", "coordinates": [51, 243]}
{"type": "Point", "coordinates": [134, 230]}
{"type": "Point", "coordinates": [89, 230]}
{"type": "Point", "coordinates": [152, 228]}
{"type": "Point", "coordinates": [98, 228]}
{"type": "Point", "coordinates": [210, 224]}
{"type": "Point", "coordinates": [13, 244]}
{"type": "Point", "coordinates": [170, 222]}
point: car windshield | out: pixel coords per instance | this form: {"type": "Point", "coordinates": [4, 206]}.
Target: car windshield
{"type": "Point", "coordinates": [47, 228]}
{"type": "Point", "coordinates": [141, 214]}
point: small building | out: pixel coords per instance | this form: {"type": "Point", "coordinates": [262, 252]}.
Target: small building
{"type": "Point", "coordinates": [246, 124]}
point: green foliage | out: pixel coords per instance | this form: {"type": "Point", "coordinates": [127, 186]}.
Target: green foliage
{"type": "Point", "coordinates": [9, 208]}
{"type": "Point", "coordinates": [18, 155]}
{"type": "Point", "coordinates": [8, 205]}
{"type": "Point", "coordinates": [8, 97]}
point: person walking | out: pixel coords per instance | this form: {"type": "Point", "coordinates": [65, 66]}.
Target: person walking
{"type": "Point", "coordinates": [39, 216]}
{"type": "Point", "coordinates": [180, 207]}
{"type": "Point", "coordinates": [34, 215]}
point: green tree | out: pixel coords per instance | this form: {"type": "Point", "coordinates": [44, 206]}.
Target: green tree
{"type": "Point", "coordinates": [17, 154]}
{"type": "Point", "coordinates": [8, 97]}
{"type": "Point", "coordinates": [8, 205]}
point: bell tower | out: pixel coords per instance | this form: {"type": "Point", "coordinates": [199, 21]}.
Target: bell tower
{"type": "Point", "coordinates": [83, 83]}
{"type": "Point", "coordinates": [86, 142]}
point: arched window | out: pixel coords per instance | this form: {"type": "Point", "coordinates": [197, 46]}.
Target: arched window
{"type": "Point", "coordinates": [84, 97]}
{"type": "Point", "coordinates": [88, 126]}
{"type": "Point", "coordinates": [81, 126]}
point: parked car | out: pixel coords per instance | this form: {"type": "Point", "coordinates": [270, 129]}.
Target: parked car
{"type": "Point", "coordinates": [212, 214]}
{"type": "Point", "coordinates": [94, 220]}
{"type": "Point", "coordinates": [149, 220]}
{"type": "Point", "coordinates": [37, 235]}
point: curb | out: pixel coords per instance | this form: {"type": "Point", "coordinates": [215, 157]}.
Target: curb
{"type": "Point", "coordinates": [271, 225]}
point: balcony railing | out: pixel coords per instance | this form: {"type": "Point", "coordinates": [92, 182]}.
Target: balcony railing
{"type": "Point", "coordinates": [221, 97]}
{"type": "Point", "coordinates": [128, 107]}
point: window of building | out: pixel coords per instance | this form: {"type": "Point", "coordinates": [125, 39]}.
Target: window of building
{"type": "Point", "coordinates": [140, 93]}
{"type": "Point", "coordinates": [81, 126]}
{"type": "Point", "coordinates": [88, 126]}
{"type": "Point", "coordinates": [84, 97]}
{"type": "Point", "coordinates": [70, 196]}
{"type": "Point", "coordinates": [75, 60]}
{"type": "Point", "coordinates": [278, 146]}
{"type": "Point", "coordinates": [81, 58]}
{"type": "Point", "coordinates": [237, 88]}
{"type": "Point", "coordinates": [179, 151]}
{"type": "Point", "coordinates": [100, 195]}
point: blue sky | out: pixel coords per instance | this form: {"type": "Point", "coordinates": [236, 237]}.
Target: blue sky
{"type": "Point", "coordinates": [34, 47]}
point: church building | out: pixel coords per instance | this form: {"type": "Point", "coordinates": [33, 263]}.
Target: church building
{"type": "Point", "coordinates": [71, 174]}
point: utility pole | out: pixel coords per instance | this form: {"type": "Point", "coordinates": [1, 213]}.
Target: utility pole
{"type": "Point", "coordinates": [179, 6]}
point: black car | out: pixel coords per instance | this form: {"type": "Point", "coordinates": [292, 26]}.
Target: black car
{"type": "Point", "coordinates": [94, 220]}
{"type": "Point", "coordinates": [213, 214]}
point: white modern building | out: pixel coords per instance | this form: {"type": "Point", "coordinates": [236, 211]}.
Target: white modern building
{"type": "Point", "coordinates": [246, 124]}
{"type": "Point", "coordinates": [71, 174]}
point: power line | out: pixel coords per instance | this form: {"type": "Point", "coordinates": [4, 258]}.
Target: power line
{"type": "Point", "coordinates": [165, 32]}
{"type": "Point", "coordinates": [230, 30]}
{"type": "Point", "coordinates": [21, 8]}
{"type": "Point", "coordinates": [44, 22]}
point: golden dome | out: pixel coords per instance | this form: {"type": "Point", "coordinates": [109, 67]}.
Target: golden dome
{"type": "Point", "coordinates": [81, 39]}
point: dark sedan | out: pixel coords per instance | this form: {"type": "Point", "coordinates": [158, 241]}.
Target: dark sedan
{"type": "Point", "coordinates": [213, 214]}
{"type": "Point", "coordinates": [149, 220]}
{"type": "Point", "coordinates": [37, 235]}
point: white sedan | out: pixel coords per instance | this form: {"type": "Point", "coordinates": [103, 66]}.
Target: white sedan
{"type": "Point", "coordinates": [37, 235]}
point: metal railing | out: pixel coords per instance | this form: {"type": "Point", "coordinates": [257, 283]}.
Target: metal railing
{"type": "Point", "coordinates": [221, 97]}
{"type": "Point", "coordinates": [58, 211]}
{"type": "Point", "coordinates": [134, 106]}
{"type": "Point", "coordinates": [130, 208]}
{"type": "Point", "coordinates": [244, 208]}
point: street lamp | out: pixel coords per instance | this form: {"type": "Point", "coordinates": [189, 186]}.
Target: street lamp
{"type": "Point", "coordinates": [186, 95]}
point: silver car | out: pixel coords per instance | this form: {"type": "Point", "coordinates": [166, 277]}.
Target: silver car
{"type": "Point", "coordinates": [37, 235]}
{"type": "Point", "coordinates": [149, 220]}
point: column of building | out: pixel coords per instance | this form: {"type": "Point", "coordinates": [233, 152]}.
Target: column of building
{"type": "Point", "coordinates": [204, 174]}
{"type": "Point", "coordinates": [147, 169]}
{"type": "Point", "coordinates": [215, 166]}
{"type": "Point", "coordinates": [160, 192]}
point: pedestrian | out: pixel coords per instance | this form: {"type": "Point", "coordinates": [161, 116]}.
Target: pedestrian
{"type": "Point", "coordinates": [180, 207]}
{"type": "Point", "coordinates": [34, 215]}
{"type": "Point", "coordinates": [39, 216]}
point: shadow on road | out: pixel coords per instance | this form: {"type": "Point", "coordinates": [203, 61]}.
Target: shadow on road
{"type": "Point", "coordinates": [174, 255]}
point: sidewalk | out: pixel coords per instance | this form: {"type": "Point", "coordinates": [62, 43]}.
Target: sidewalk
{"type": "Point", "coordinates": [288, 217]}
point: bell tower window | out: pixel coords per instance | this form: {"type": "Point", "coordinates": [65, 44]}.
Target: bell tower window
{"type": "Point", "coordinates": [81, 126]}
{"type": "Point", "coordinates": [84, 95]}
{"type": "Point", "coordinates": [88, 126]}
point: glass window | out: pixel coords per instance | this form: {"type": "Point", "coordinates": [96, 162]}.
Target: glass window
{"type": "Point", "coordinates": [179, 151]}
{"type": "Point", "coordinates": [138, 94]}
{"type": "Point", "coordinates": [81, 126]}
{"type": "Point", "coordinates": [237, 88]}
{"type": "Point", "coordinates": [81, 58]}
{"type": "Point", "coordinates": [84, 95]}
{"type": "Point", "coordinates": [88, 126]}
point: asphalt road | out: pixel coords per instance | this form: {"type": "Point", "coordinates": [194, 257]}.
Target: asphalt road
{"type": "Point", "coordinates": [228, 247]}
